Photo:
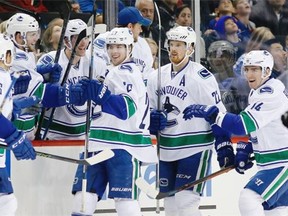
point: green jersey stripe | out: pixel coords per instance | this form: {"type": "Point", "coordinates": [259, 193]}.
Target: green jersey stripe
{"type": "Point", "coordinates": [130, 105]}
{"type": "Point", "coordinates": [80, 129]}
{"type": "Point", "coordinates": [263, 158]}
{"type": "Point", "coordinates": [194, 139]}
{"type": "Point", "coordinates": [249, 123]}
{"type": "Point", "coordinates": [119, 136]}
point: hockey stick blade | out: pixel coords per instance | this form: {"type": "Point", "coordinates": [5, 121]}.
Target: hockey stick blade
{"type": "Point", "coordinates": [150, 191]}
{"type": "Point", "coordinates": [102, 156]}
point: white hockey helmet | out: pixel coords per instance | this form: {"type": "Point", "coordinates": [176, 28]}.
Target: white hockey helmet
{"type": "Point", "coordinates": [74, 27]}
{"type": "Point", "coordinates": [182, 33]}
{"type": "Point", "coordinates": [7, 46]}
{"type": "Point", "coordinates": [23, 23]}
{"type": "Point", "coordinates": [121, 35]}
{"type": "Point", "coordinates": [261, 58]}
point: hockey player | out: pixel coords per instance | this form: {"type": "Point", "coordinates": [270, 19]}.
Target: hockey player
{"type": "Point", "coordinates": [16, 140]}
{"type": "Point", "coordinates": [23, 30]}
{"type": "Point", "coordinates": [69, 121]}
{"type": "Point", "coordinates": [185, 147]}
{"type": "Point", "coordinates": [120, 123]}
{"type": "Point", "coordinates": [267, 191]}
{"type": "Point", "coordinates": [132, 18]}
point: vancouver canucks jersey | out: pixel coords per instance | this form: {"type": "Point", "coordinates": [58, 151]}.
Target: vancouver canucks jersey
{"type": "Point", "coordinates": [69, 122]}
{"type": "Point", "coordinates": [262, 119]}
{"type": "Point", "coordinates": [194, 84]}
{"type": "Point", "coordinates": [5, 81]}
{"type": "Point", "coordinates": [132, 134]}
{"type": "Point", "coordinates": [25, 62]}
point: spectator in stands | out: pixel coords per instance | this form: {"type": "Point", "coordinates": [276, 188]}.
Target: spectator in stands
{"type": "Point", "coordinates": [146, 7]}
{"type": "Point", "coordinates": [227, 29]}
{"type": "Point", "coordinates": [272, 14]}
{"type": "Point", "coordinates": [30, 5]}
{"type": "Point", "coordinates": [183, 16]}
{"type": "Point", "coordinates": [275, 47]}
{"type": "Point", "coordinates": [154, 50]}
{"type": "Point", "coordinates": [51, 35]}
{"type": "Point", "coordinates": [258, 37]}
{"type": "Point", "coordinates": [223, 8]}
{"type": "Point", "coordinates": [242, 14]}
{"type": "Point", "coordinates": [167, 13]}
{"type": "Point", "coordinates": [3, 27]}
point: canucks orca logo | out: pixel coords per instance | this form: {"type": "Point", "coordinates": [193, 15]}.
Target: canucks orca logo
{"type": "Point", "coordinates": [170, 108]}
{"type": "Point", "coordinates": [100, 43]}
{"type": "Point", "coordinates": [266, 89]}
{"type": "Point", "coordinates": [204, 73]}
{"type": "Point", "coordinates": [20, 56]}
{"type": "Point", "coordinates": [76, 111]}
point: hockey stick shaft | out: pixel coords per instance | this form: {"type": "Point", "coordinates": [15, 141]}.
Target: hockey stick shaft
{"type": "Point", "coordinates": [82, 35]}
{"type": "Point", "coordinates": [104, 155]}
{"type": "Point", "coordinates": [150, 191]}
{"type": "Point", "coordinates": [60, 43]}
{"type": "Point", "coordinates": [158, 101]}
{"type": "Point", "coordinates": [14, 79]}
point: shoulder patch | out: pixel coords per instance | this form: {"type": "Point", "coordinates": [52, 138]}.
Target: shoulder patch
{"type": "Point", "coordinates": [20, 56]}
{"type": "Point", "coordinates": [266, 89]}
{"type": "Point", "coordinates": [204, 73]}
{"type": "Point", "coordinates": [100, 43]}
{"type": "Point", "coordinates": [47, 59]}
{"type": "Point", "coordinates": [125, 67]}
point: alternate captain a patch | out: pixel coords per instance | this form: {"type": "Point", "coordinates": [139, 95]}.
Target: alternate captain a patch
{"type": "Point", "coordinates": [204, 73]}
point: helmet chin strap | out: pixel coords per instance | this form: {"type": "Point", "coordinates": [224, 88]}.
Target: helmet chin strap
{"type": "Point", "coordinates": [186, 56]}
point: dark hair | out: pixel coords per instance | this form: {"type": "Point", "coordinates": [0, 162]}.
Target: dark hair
{"type": "Point", "coordinates": [178, 10]}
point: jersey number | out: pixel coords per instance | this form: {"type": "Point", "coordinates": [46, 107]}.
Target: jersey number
{"type": "Point", "coordinates": [257, 106]}
{"type": "Point", "coordinates": [142, 125]}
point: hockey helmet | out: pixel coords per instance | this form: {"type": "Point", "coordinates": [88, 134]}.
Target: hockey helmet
{"type": "Point", "coordinates": [7, 46]}
{"type": "Point", "coordinates": [120, 36]}
{"type": "Point", "coordinates": [23, 23]}
{"type": "Point", "coordinates": [182, 33]}
{"type": "Point", "coordinates": [74, 27]}
{"type": "Point", "coordinates": [261, 58]}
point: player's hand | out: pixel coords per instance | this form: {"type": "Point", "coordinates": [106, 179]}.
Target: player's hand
{"type": "Point", "coordinates": [23, 105]}
{"type": "Point", "coordinates": [209, 113]}
{"type": "Point", "coordinates": [50, 72]}
{"type": "Point", "coordinates": [225, 154]}
{"type": "Point", "coordinates": [97, 91]}
{"type": "Point", "coordinates": [22, 83]}
{"type": "Point", "coordinates": [242, 158]}
{"type": "Point", "coordinates": [21, 146]}
{"type": "Point", "coordinates": [158, 120]}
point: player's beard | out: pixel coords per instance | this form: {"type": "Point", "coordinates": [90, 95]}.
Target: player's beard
{"type": "Point", "coordinates": [175, 59]}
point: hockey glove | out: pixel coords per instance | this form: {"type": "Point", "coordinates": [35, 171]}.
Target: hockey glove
{"type": "Point", "coordinates": [50, 72]}
{"type": "Point", "coordinates": [284, 119]}
{"type": "Point", "coordinates": [158, 121]}
{"type": "Point", "coordinates": [22, 83]}
{"type": "Point", "coordinates": [73, 94]}
{"type": "Point", "coordinates": [243, 152]}
{"type": "Point", "coordinates": [209, 113]}
{"type": "Point", "coordinates": [223, 146]}
{"type": "Point", "coordinates": [25, 105]}
{"type": "Point", "coordinates": [21, 146]}
{"type": "Point", "coordinates": [97, 91]}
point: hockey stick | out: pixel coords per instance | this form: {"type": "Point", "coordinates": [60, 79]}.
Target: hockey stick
{"type": "Point", "coordinates": [158, 102]}
{"type": "Point", "coordinates": [96, 29]}
{"type": "Point", "coordinates": [84, 33]}
{"type": "Point", "coordinates": [36, 15]}
{"type": "Point", "coordinates": [101, 156]}
{"type": "Point", "coordinates": [14, 77]}
{"type": "Point", "coordinates": [150, 191]}
{"type": "Point", "coordinates": [60, 43]}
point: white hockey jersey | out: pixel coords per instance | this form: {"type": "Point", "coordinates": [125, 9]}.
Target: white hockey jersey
{"type": "Point", "coordinates": [5, 81]}
{"type": "Point", "coordinates": [69, 122]}
{"type": "Point", "coordinates": [194, 84]}
{"type": "Point", "coordinates": [262, 119]}
{"type": "Point", "coordinates": [25, 62]}
{"type": "Point", "coordinates": [108, 131]}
